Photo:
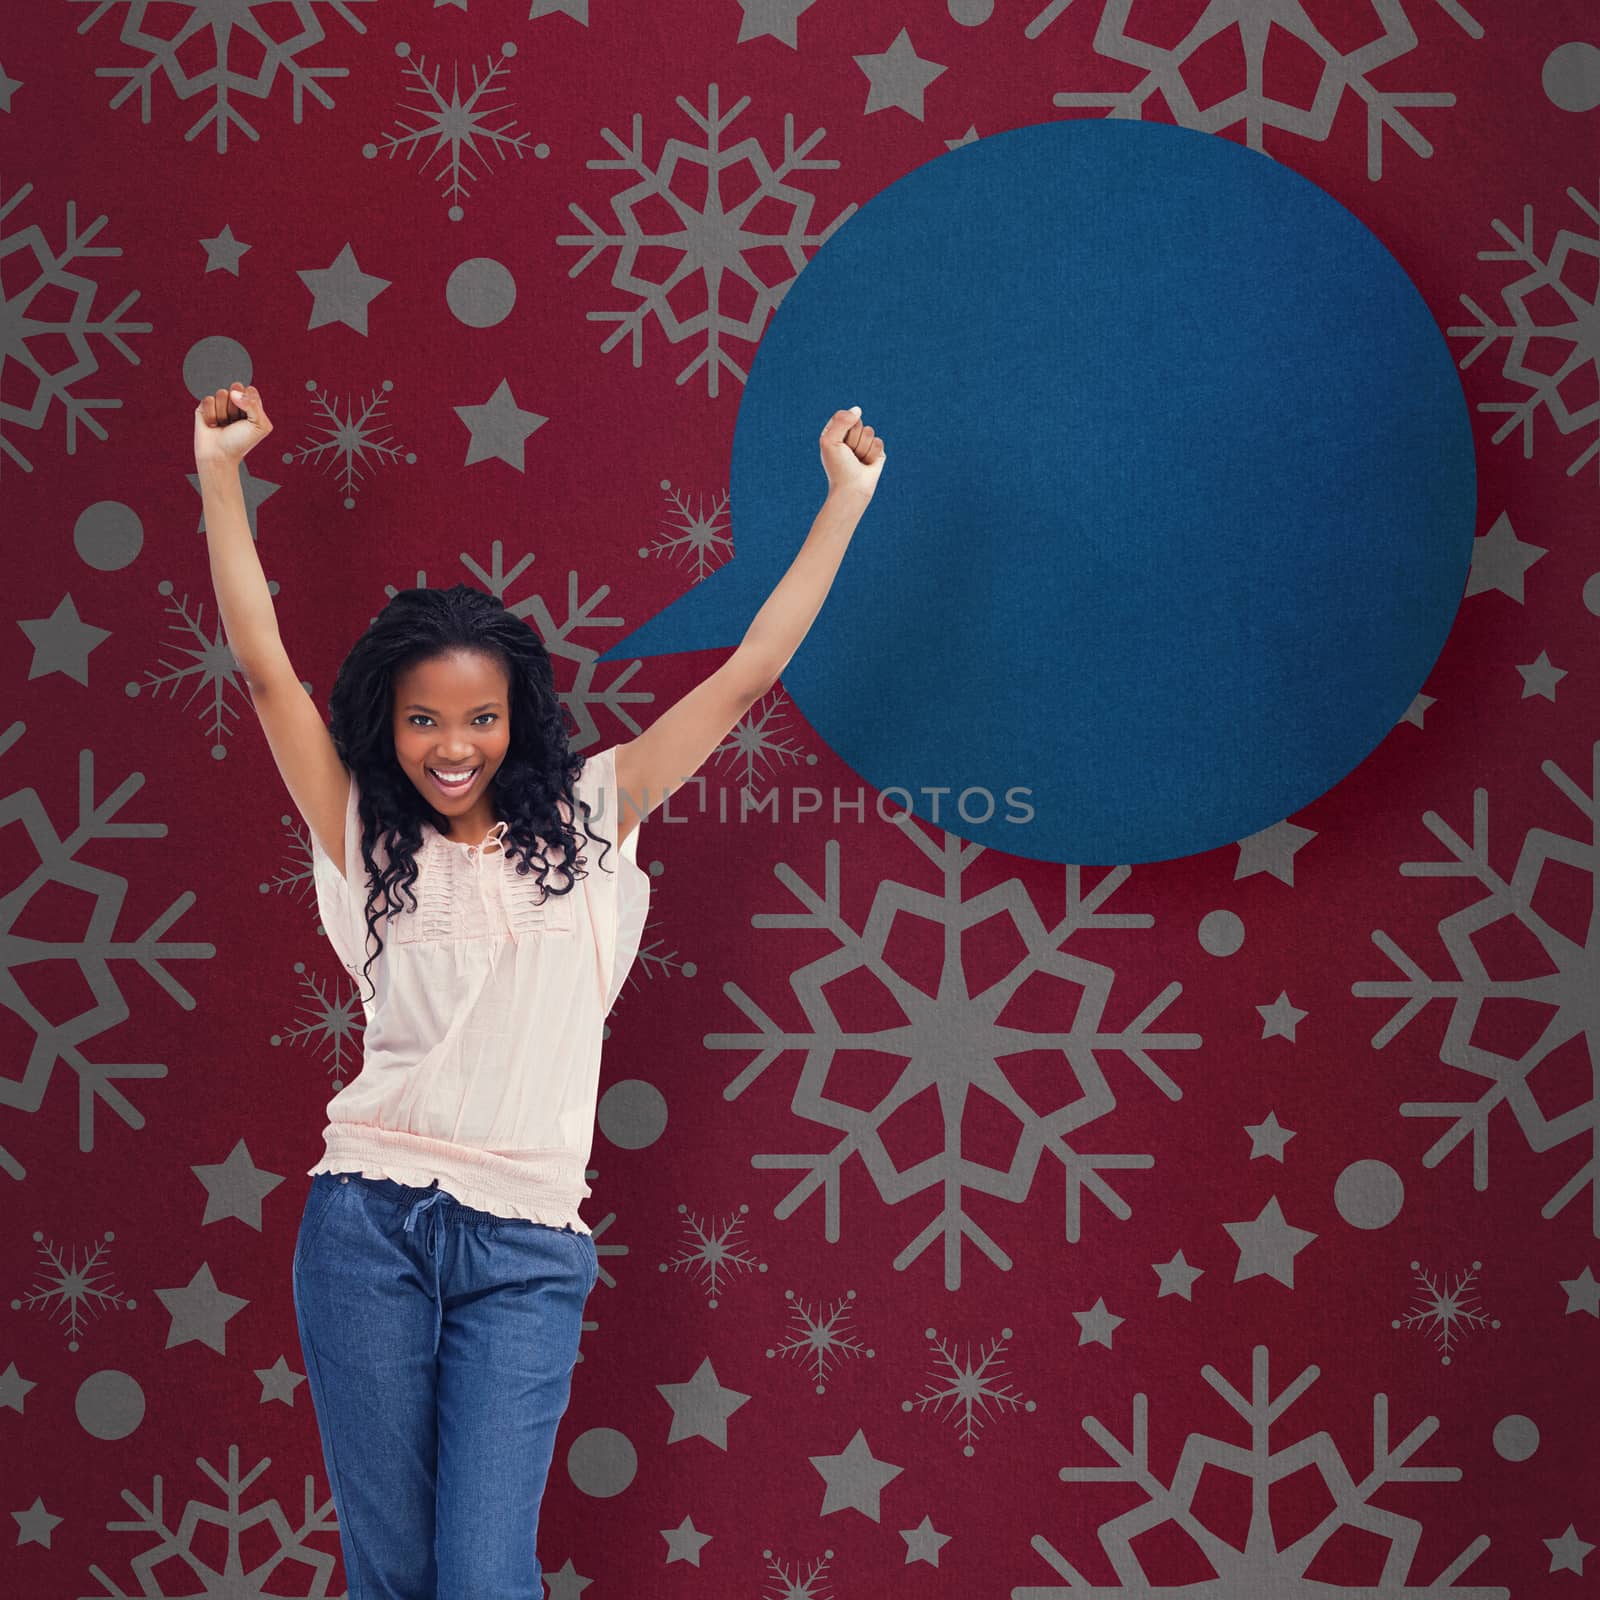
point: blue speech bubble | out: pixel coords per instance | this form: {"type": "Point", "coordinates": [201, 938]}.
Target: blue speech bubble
{"type": "Point", "coordinates": [1178, 505]}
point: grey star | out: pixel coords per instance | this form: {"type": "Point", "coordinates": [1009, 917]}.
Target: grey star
{"type": "Point", "coordinates": [854, 1478]}
{"type": "Point", "coordinates": [256, 492]}
{"type": "Point", "coordinates": [14, 1387]}
{"type": "Point", "coordinates": [200, 1310]}
{"type": "Point", "coordinates": [1279, 1018]}
{"type": "Point", "coordinates": [1268, 1138]}
{"type": "Point", "coordinates": [1177, 1276]}
{"type": "Point", "coordinates": [1268, 1244]}
{"type": "Point", "coordinates": [8, 87]}
{"type": "Point", "coordinates": [566, 1584]}
{"type": "Point", "coordinates": [1272, 850]}
{"type": "Point", "coordinates": [1097, 1324]}
{"type": "Point", "coordinates": [62, 641]}
{"type": "Point", "coordinates": [223, 251]}
{"type": "Point", "coordinates": [684, 1542]}
{"type": "Point", "coordinates": [279, 1381]}
{"type": "Point", "coordinates": [701, 1406]}
{"type": "Point", "coordinates": [1583, 1293]}
{"type": "Point", "coordinates": [576, 9]}
{"type": "Point", "coordinates": [35, 1525]}
{"type": "Point", "coordinates": [924, 1542]}
{"type": "Point", "coordinates": [898, 76]}
{"type": "Point", "coordinates": [499, 428]}
{"type": "Point", "coordinates": [1567, 1552]}
{"type": "Point", "coordinates": [1418, 709]}
{"type": "Point", "coordinates": [774, 18]}
{"type": "Point", "coordinates": [1540, 677]}
{"type": "Point", "coordinates": [235, 1188]}
{"type": "Point", "coordinates": [1499, 560]}
{"type": "Point", "coordinates": [342, 292]}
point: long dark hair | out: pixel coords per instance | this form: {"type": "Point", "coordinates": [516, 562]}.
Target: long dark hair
{"type": "Point", "coordinates": [419, 625]}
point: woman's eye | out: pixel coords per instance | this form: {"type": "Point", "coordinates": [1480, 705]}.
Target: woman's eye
{"type": "Point", "coordinates": [417, 717]}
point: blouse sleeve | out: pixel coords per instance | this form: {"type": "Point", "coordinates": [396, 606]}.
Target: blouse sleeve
{"type": "Point", "coordinates": [618, 891]}
{"type": "Point", "coordinates": [342, 909]}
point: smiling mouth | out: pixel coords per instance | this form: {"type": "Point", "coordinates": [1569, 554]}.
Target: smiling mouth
{"type": "Point", "coordinates": [453, 788]}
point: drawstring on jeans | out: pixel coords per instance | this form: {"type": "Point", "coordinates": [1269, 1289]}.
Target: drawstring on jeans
{"type": "Point", "coordinates": [422, 1205]}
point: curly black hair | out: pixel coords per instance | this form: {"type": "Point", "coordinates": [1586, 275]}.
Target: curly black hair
{"type": "Point", "coordinates": [420, 625]}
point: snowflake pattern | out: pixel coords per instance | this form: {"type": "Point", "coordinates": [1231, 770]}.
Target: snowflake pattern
{"type": "Point", "coordinates": [970, 1390]}
{"type": "Point", "coordinates": [453, 125]}
{"type": "Point", "coordinates": [73, 1292]}
{"type": "Point", "coordinates": [58, 287]}
{"type": "Point", "coordinates": [243, 24]}
{"type": "Point", "coordinates": [262, 1533]}
{"type": "Point", "coordinates": [64, 1039]}
{"type": "Point", "coordinates": [332, 1022]}
{"type": "Point", "coordinates": [712, 241]}
{"type": "Point", "coordinates": [205, 664]}
{"type": "Point", "coordinates": [713, 1253]}
{"type": "Point", "coordinates": [1257, 1565]}
{"type": "Point", "coordinates": [799, 1582]}
{"type": "Point", "coordinates": [1446, 1310]}
{"type": "Point", "coordinates": [953, 1043]}
{"type": "Point", "coordinates": [697, 536]}
{"type": "Point", "coordinates": [820, 1336]}
{"type": "Point", "coordinates": [1567, 987]}
{"type": "Point", "coordinates": [1544, 283]}
{"type": "Point", "coordinates": [1343, 73]}
{"type": "Point", "coordinates": [352, 439]}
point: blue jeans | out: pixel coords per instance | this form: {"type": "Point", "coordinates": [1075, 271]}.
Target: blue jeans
{"type": "Point", "coordinates": [439, 1344]}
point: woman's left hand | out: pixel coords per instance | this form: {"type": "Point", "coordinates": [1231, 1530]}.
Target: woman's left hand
{"type": "Point", "coordinates": [852, 455]}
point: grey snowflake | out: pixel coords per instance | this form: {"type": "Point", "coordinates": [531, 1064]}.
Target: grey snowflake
{"type": "Point", "coordinates": [1563, 278]}
{"type": "Point", "coordinates": [261, 1534]}
{"type": "Point", "coordinates": [453, 125]}
{"type": "Point", "coordinates": [798, 1582]}
{"type": "Point", "coordinates": [330, 1023]}
{"type": "Point", "coordinates": [953, 1042]}
{"type": "Point", "coordinates": [59, 323]}
{"type": "Point", "coordinates": [1258, 1564]}
{"type": "Point", "coordinates": [246, 25]}
{"type": "Point", "coordinates": [712, 239]}
{"type": "Point", "coordinates": [758, 744]}
{"type": "Point", "coordinates": [713, 1253]}
{"type": "Point", "coordinates": [73, 1291]}
{"type": "Point", "coordinates": [1446, 1310]}
{"type": "Point", "coordinates": [1564, 983]}
{"type": "Point", "coordinates": [61, 1041]}
{"type": "Point", "coordinates": [1162, 70]}
{"type": "Point", "coordinates": [820, 1337]}
{"type": "Point", "coordinates": [970, 1390]}
{"type": "Point", "coordinates": [205, 664]}
{"type": "Point", "coordinates": [352, 439]}
{"type": "Point", "coordinates": [697, 536]}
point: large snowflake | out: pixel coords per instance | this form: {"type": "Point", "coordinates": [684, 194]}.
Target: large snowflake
{"type": "Point", "coordinates": [952, 1042]}
{"type": "Point", "coordinates": [62, 1041]}
{"type": "Point", "coordinates": [1549, 289]}
{"type": "Point", "coordinates": [1567, 987]}
{"type": "Point", "coordinates": [710, 240]}
{"type": "Point", "coordinates": [1261, 1565]}
{"type": "Point", "coordinates": [1342, 72]}
{"type": "Point", "coordinates": [54, 286]}
{"type": "Point", "coordinates": [246, 26]}
{"type": "Point", "coordinates": [260, 1544]}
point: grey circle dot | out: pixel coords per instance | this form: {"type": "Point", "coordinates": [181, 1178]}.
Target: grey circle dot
{"type": "Point", "coordinates": [110, 1404]}
{"type": "Point", "coordinates": [602, 1462]}
{"type": "Point", "coordinates": [108, 535]}
{"type": "Point", "coordinates": [1571, 76]}
{"type": "Point", "coordinates": [1221, 933]}
{"type": "Point", "coordinates": [1369, 1194]}
{"type": "Point", "coordinates": [1591, 595]}
{"type": "Point", "coordinates": [632, 1114]}
{"type": "Point", "coordinates": [970, 13]}
{"type": "Point", "coordinates": [1516, 1437]}
{"type": "Point", "coordinates": [213, 363]}
{"type": "Point", "coordinates": [481, 292]}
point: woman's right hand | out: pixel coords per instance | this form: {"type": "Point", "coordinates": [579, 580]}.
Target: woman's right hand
{"type": "Point", "coordinates": [229, 424]}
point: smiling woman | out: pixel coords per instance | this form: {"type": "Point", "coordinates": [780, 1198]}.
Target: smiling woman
{"type": "Point", "coordinates": [450, 720]}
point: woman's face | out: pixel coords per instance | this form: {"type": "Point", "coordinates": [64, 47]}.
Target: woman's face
{"type": "Point", "coordinates": [453, 715]}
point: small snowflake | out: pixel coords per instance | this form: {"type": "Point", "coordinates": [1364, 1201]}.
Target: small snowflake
{"type": "Point", "coordinates": [713, 1252]}
{"type": "Point", "coordinates": [710, 236]}
{"type": "Point", "coordinates": [352, 439]}
{"type": "Point", "coordinates": [798, 1582]}
{"type": "Point", "coordinates": [969, 1388]}
{"type": "Point", "coordinates": [698, 536]}
{"type": "Point", "coordinates": [453, 125]}
{"type": "Point", "coordinates": [206, 664]}
{"type": "Point", "coordinates": [820, 1338]}
{"type": "Point", "coordinates": [1446, 1310]}
{"type": "Point", "coordinates": [332, 1022]}
{"type": "Point", "coordinates": [60, 320]}
{"type": "Point", "coordinates": [73, 1291]}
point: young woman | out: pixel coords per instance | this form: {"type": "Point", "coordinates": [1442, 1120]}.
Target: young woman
{"type": "Point", "coordinates": [441, 1266]}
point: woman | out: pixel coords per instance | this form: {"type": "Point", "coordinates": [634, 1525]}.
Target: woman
{"type": "Point", "coordinates": [441, 1266]}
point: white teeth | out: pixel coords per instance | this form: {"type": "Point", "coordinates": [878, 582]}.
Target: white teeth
{"type": "Point", "coordinates": [453, 777]}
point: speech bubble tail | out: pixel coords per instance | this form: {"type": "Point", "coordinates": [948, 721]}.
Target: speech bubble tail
{"type": "Point", "coordinates": [713, 615]}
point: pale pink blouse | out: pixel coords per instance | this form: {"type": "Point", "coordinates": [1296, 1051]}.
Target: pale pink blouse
{"type": "Point", "coordinates": [482, 1047]}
